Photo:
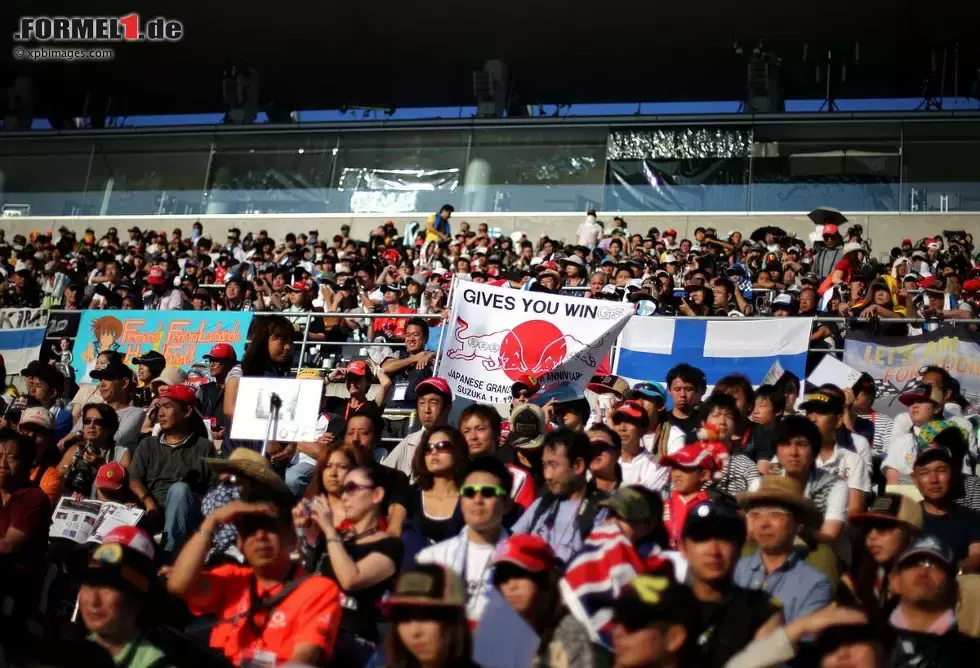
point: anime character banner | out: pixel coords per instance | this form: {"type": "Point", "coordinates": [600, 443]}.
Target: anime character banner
{"type": "Point", "coordinates": [183, 337]}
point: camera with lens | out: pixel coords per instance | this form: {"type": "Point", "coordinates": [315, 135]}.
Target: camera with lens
{"type": "Point", "coordinates": [80, 476]}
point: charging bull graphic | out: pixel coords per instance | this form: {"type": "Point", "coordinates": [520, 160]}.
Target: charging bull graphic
{"type": "Point", "coordinates": [535, 347]}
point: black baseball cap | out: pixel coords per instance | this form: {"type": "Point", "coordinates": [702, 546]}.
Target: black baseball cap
{"type": "Point", "coordinates": [152, 359]}
{"type": "Point", "coordinates": [710, 519]}
{"type": "Point", "coordinates": [648, 599]}
{"type": "Point", "coordinates": [824, 403]}
{"type": "Point", "coordinates": [114, 370]}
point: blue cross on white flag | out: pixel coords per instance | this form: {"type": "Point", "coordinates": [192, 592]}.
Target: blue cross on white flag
{"type": "Point", "coordinates": [650, 347]}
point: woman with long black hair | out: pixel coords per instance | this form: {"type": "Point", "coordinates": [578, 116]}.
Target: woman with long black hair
{"type": "Point", "coordinates": [269, 355]}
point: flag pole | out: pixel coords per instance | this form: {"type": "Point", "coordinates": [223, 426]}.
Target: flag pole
{"type": "Point", "coordinates": [446, 325]}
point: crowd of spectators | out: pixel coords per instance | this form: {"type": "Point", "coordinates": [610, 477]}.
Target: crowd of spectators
{"type": "Point", "coordinates": [658, 524]}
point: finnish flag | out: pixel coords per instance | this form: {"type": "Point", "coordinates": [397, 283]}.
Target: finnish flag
{"type": "Point", "coordinates": [650, 347]}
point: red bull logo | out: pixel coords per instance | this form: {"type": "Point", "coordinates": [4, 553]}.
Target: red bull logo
{"type": "Point", "coordinates": [535, 348]}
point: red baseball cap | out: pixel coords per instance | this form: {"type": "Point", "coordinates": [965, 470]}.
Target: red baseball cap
{"type": "Point", "coordinates": [357, 368]}
{"type": "Point", "coordinates": [110, 476]}
{"type": "Point", "coordinates": [133, 539]}
{"type": "Point", "coordinates": [222, 351]}
{"type": "Point", "coordinates": [670, 232]}
{"type": "Point", "coordinates": [906, 241]}
{"type": "Point", "coordinates": [829, 229]}
{"type": "Point", "coordinates": [180, 393]}
{"type": "Point", "coordinates": [693, 456]}
{"type": "Point", "coordinates": [434, 384]}
{"type": "Point", "coordinates": [527, 551]}
{"type": "Point", "coordinates": [157, 276]}
{"type": "Point", "coordinates": [632, 410]}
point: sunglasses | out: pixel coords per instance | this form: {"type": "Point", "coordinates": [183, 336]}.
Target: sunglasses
{"type": "Point", "coordinates": [353, 487]}
{"type": "Point", "coordinates": [485, 491]}
{"type": "Point", "coordinates": [98, 422]}
{"type": "Point", "coordinates": [440, 446]}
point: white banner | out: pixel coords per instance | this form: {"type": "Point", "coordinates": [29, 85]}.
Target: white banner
{"type": "Point", "coordinates": [497, 335]}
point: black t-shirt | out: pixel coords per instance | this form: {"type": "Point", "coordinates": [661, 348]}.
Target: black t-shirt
{"type": "Point", "coordinates": [957, 529]}
{"type": "Point", "coordinates": [397, 488]}
{"type": "Point", "coordinates": [726, 627]}
{"type": "Point", "coordinates": [405, 381]}
{"type": "Point", "coordinates": [688, 425]}
{"type": "Point", "coordinates": [361, 607]}
{"type": "Point", "coordinates": [761, 446]}
{"type": "Point", "coordinates": [435, 529]}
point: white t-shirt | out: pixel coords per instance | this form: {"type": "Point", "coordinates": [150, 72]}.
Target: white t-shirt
{"type": "Point", "coordinates": [675, 440]}
{"type": "Point", "coordinates": [459, 554]}
{"type": "Point", "coordinates": [644, 470]}
{"type": "Point", "coordinates": [849, 467]}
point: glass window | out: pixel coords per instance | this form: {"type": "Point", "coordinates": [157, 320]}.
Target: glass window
{"type": "Point", "coordinates": [799, 166]}
{"type": "Point", "coordinates": [44, 175]}
{"type": "Point", "coordinates": [941, 169]}
{"type": "Point", "coordinates": [280, 173]}
{"type": "Point", "coordinates": [400, 171]}
{"type": "Point", "coordinates": [149, 174]}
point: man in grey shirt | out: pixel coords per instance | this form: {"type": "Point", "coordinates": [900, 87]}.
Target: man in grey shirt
{"type": "Point", "coordinates": [116, 387]}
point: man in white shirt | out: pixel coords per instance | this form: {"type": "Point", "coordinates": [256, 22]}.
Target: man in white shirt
{"type": "Point", "coordinates": [434, 400]}
{"type": "Point", "coordinates": [589, 231]}
{"type": "Point", "coordinates": [484, 499]}
{"type": "Point", "coordinates": [797, 442]}
{"type": "Point", "coordinates": [638, 467]}
{"type": "Point", "coordinates": [825, 410]}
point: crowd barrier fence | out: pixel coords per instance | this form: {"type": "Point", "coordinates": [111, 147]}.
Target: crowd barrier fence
{"type": "Point", "coordinates": [361, 349]}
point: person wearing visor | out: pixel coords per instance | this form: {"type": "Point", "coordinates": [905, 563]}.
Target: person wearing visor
{"type": "Point", "coordinates": [631, 421]}
{"type": "Point", "coordinates": [270, 587]}
{"type": "Point", "coordinates": [925, 404]}
{"type": "Point", "coordinates": [730, 616]}
{"type": "Point", "coordinates": [661, 436]}
{"type": "Point", "coordinates": [654, 624]}
{"type": "Point", "coordinates": [525, 572]}
{"type": "Point", "coordinates": [605, 474]}
{"type": "Point", "coordinates": [118, 587]}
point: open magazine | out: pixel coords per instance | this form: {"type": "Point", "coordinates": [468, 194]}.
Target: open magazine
{"type": "Point", "coordinates": [88, 521]}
